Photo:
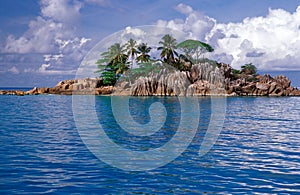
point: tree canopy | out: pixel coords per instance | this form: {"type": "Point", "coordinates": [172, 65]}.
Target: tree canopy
{"type": "Point", "coordinates": [248, 69]}
{"type": "Point", "coordinates": [119, 58]}
{"type": "Point", "coordinates": [168, 47]}
{"type": "Point", "coordinates": [143, 51]}
{"type": "Point", "coordinates": [193, 49]}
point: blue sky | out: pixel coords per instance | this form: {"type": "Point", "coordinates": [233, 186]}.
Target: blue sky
{"type": "Point", "coordinates": [44, 41]}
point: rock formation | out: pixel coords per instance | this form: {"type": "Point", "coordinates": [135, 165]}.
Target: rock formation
{"type": "Point", "coordinates": [202, 79]}
{"type": "Point", "coordinates": [261, 85]}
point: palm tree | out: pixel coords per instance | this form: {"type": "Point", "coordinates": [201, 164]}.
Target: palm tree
{"type": "Point", "coordinates": [114, 55]}
{"type": "Point", "coordinates": [131, 48]}
{"type": "Point", "coordinates": [168, 47]}
{"type": "Point", "coordinates": [118, 58]}
{"type": "Point", "coordinates": [112, 63]}
{"type": "Point", "coordinates": [117, 53]}
{"type": "Point", "coordinates": [143, 51]}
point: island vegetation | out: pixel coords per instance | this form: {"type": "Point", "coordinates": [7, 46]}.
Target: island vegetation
{"type": "Point", "coordinates": [120, 58]}
{"type": "Point", "coordinates": [168, 69]}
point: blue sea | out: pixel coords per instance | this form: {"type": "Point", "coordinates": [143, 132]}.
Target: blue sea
{"type": "Point", "coordinates": [257, 150]}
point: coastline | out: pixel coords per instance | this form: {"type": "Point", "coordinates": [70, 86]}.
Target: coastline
{"type": "Point", "coordinates": [201, 80]}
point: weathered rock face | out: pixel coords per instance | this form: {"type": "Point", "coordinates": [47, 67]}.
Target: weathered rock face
{"type": "Point", "coordinates": [163, 83]}
{"type": "Point", "coordinates": [200, 87]}
{"type": "Point", "coordinates": [207, 72]}
{"type": "Point", "coordinates": [263, 86]}
{"type": "Point", "coordinates": [202, 79]}
{"type": "Point", "coordinates": [12, 92]}
{"type": "Point", "coordinates": [89, 86]}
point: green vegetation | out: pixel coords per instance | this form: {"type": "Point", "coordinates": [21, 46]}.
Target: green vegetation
{"type": "Point", "coordinates": [193, 49]}
{"type": "Point", "coordinates": [143, 50]}
{"type": "Point", "coordinates": [112, 64]}
{"type": "Point", "coordinates": [235, 71]}
{"type": "Point", "coordinates": [120, 58]}
{"type": "Point", "coordinates": [131, 48]}
{"type": "Point", "coordinates": [168, 47]}
{"type": "Point", "coordinates": [248, 69]}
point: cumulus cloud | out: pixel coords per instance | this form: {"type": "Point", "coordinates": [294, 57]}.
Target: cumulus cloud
{"type": "Point", "coordinates": [269, 42]}
{"type": "Point", "coordinates": [263, 40]}
{"type": "Point", "coordinates": [49, 30]}
{"type": "Point", "coordinates": [54, 31]}
{"type": "Point", "coordinates": [61, 10]}
{"type": "Point", "coordinates": [195, 24]}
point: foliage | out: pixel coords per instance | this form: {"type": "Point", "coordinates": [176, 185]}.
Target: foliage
{"type": "Point", "coordinates": [109, 76]}
{"type": "Point", "coordinates": [193, 49]}
{"type": "Point", "coordinates": [168, 47]}
{"type": "Point", "coordinates": [252, 79]}
{"type": "Point", "coordinates": [211, 62]}
{"type": "Point", "coordinates": [112, 63]}
{"type": "Point", "coordinates": [143, 51]}
{"type": "Point", "coordinates": [118, 58]}
{"type": "Point", "coordinates": [170, 56]}
{"type": "Point", "coordinates": [145, 68]}
{"type": "Point", "coordinates": [248, 69]}
{"type": "Point", "coordinates": [235, 71]}
{"type": "Point", "coordinates": [131, 48]}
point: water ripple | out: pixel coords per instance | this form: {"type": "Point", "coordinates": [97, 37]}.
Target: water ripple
{"type": "Point", "coordinates": [258, 150]}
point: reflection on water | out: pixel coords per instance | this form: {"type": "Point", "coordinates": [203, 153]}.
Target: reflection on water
{"type": "Point", "coordinates": [257, 151]}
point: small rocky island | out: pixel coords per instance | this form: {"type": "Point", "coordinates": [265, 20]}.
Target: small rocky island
{"type": "Point", "coordinates": [202, 79]}
{"type": "Point", "coordinates": [181, 70]}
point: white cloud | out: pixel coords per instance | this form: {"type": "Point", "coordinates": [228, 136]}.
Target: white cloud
{"type": "Point", "coordinates": [47, 69]}
{"type": "Point", "coordinates": [263, 40]}
{"type": "Point", "coordinates": [54, 23]}
{"type": "Point", "coordinates": [14, 70]}
{"type": "Point", "coordinates": [185, 9]}
{"type": "Point", "coordinates": [61, 10]}
{"type": "Point", "coordinates": [195, 24]}
{"type": "Point", "coordinates": [49, 57]}
{"type": "Point", "coordinates": [54, 31]}
{"type": "Point", "coordinates": [271, 42]}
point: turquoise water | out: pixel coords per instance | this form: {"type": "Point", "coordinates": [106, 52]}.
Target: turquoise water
{"type": "Point", "coordinates": [258, 149]}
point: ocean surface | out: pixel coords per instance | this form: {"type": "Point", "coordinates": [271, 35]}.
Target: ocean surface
{"type": "Point", "coordinates": [257, 150]}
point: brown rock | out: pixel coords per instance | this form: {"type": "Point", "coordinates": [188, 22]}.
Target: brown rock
{"type": "Point", "coordinates": [283, 80]}
{"type": "Point", "coordinates": [248, 89]}
{"type": "Point", "coordinates": [295, 92]}
{"type": "Point", "coordinates": [198, 88]}
{"type": "Point", "coordinates": [43, 90]}
{"type": "Point", "coordinates": [166, 82]}
{"type": "Point", "coordinates": [262, 86]}
{"type": "Point", "coordinates": [104, 90]}
{"type": "Point", "coordinates": [273, 86]}
{"type": "Point", "coordinates": [33, 91]}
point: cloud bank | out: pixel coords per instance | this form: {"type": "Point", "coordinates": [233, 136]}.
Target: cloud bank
{"type": "Point", "coordinates": [53, 33]}
{"type": "Point", "coordinates": [270, 42]}
{"type": "Point", "coordinates": [52, 44]}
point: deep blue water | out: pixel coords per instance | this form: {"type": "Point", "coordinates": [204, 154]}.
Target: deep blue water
{"type": "Point", "coordinates": [16, 88]}
{"type": "Point", "coordinates": [258, 149]}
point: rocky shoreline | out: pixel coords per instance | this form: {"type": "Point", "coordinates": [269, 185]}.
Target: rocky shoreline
{"type": "Point", "coordinates": [203, 79]}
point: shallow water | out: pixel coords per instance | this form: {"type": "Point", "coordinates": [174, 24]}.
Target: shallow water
{"type": "Point", "coordinates": [258, 149]}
